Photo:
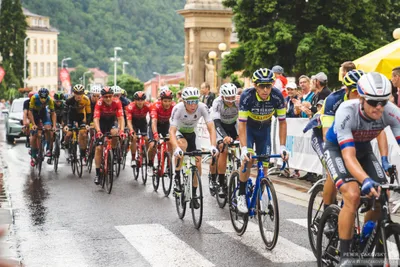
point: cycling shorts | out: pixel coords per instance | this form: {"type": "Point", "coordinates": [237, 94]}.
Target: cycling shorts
{"type": "Point", "coordinates": [317, 143]}
{"type": "Point", "coordinates": [140, 125]}
{"type": "Point", "coordinates": [106, 124]}
{"type": "Point", "coordinates": [261, 137]}
{"type": "Point", "coordinates": [41, 116]}
{"type": "Point", "coordinates": [190, 139]}
{"type": "Point", "coordinates": [75, 117]}
{"type": "Point", "coordinates": [162, 129]}
{"type": "Point", "coordinates": [366, 158]}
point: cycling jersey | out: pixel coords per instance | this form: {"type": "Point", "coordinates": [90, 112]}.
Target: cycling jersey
{"type": "Point", "coordinates": [26, 104]}
{"type": "Point", "coordinates": [78, 107]}
{"type": "Point", "coordinates": [136, 114]}
{"type": "Point", "coordinates": [331, 104]}
{"type": "Point", "coordinates": [60, 112]}
{"type": "Point", "coordinates": [257, 112]}
{"type": "Point", "coordinates": [186, 122]}
{"type": "Point", "coordinates": [159, 113]}
{"type": "Point", "coordinates": [124, 101]}
{"type": "Point", "coordinates": [352, 128]}
{"type": "Point", "coordinates": [102, 110]}
{"type": "Point", "coordinates": [36, 105]}
{"type": "Point", "coordinates": [225, 118]}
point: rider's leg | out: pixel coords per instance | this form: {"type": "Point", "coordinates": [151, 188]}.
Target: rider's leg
{"type": "Point", "coordinates": [114, 141]}
{"type": "Point", "coordinates": [152, 151]}
{"type": "Point", "coordinates": [133, 147]}
{"type": "Point", "coordinates": [182, 143]}
{"type": "Point", "coordinates": [222, 162]}
{"type": "Point", "coordinates": [329, 193]}
{"type": "Point", "coordinates": [82, 140]}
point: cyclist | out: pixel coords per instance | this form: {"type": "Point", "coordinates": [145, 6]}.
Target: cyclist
{"type": "Point", "coordinates": [95, 92]}
{"type": "Point", "coordinates": [224, 112]}
{"type": "Point", "coordinates": [38, 114]}
{"type": "Point", "coordinates": [136, 113]}
{"type": "Point", "coordinates": [25, 119]}
{"type": "Point", "coordinates": [184, 119]}
{"type": "Point", "coordinates": [59, 107]}
{"type": "Point", "coordinates": [106, 111]}
{"type": "Point", "coordinates": [257, 105]}
{"type": "Point", "coordinates": [348, 152]}
{"type": "Point", "coordinates": [160, 113]}
{"type": "Point", "coordinates": [78, 111]}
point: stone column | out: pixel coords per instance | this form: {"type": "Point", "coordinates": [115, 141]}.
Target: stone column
{"type": "Point", "coordinates": [186, 58]}
{"type": "Point", "coordinates": [197, 76]}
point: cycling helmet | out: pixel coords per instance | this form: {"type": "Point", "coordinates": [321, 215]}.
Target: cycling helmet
{"type": "Point", "coordinates": [166, 94]}
{"type": "Point", "coordinates": [263, 76]}
{"type": "Point", "coordinates": [31, 93]}
{"type": "Point", "coordinates": [190, 93]}
{"type": "Point", "coordinates": [43, 92]}
{"type": "Point", "coordinates": [351, 78]}
{"type": "Point", "coordinates": [123, 92]}
{"type": "Point", "coordinates": [106, 91]}
{"type": "Point", "coordinates": [96, 89]}
{"type": "Point", "coordinates": [79, 89]}
{"type": "Point", "coordinates": [116, 89]}
{"type": "Point", "coordinates": [374, 86]}
{"type": "Point", "coordinates": [140, 95]}
{"type": "Point", "coordinates": [277, 69]}
{"type": "Point", "coordinates": [228, 89]}
{"type": "Point", "coordinates": [163, 88]}
{"type": "Point", "coordinates": [59, 96]}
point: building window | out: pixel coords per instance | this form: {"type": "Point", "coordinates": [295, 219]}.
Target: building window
{"type": "Point", "coordinates": [35, 22]}
{"type": "Point", "coordinates": [54, 47]}
{"type": "Point", "coordinates": [41, 47]}
{"type": "Point", "coordinates": [48, 47]}
{"type": "Point", "coordinates": [41, 71]}
{"type": "Point", "coordinates": [48, 69]}
{"type": "Point", "coordinates": [34, 46]}
{"type": "Point", "coordinates": [54, 70]}
{"type": "Point", "coordinates": [34, 70]}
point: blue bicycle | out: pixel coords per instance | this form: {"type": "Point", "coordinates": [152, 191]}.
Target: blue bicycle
{"type": "Point", "coordinates": [261, 201]}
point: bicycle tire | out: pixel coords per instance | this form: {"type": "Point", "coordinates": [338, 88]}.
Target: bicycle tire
{"type": "Point", "coordinates": [136, 169]}
{"type": "Point", "coordinates": [197, 219]}
{"type": "Point", "coordinates": [124, 152]}
{"type": "Point", "coordinates": [221, 200]}
{"type": "Point", "coordinates": [391, 230]}
{"type": "Point", "coordinates": [117, 161]}
{"type": "Point", "coordinates": [90, 155]}
{"type": "Point", "coordinates": [180, 200]}
{"type": "Point", "coordinates": [79, 165]}
{"type": "Point", "coordinates": [109, 172]}
{"type": "Point", "coordinates": [233, 190]}
{"type": "Point", "coordinates": [143, 168]}
{"type": "Point", "coordinates": [273, 211]}
{"type": "Point", "coordinates": [56, 153]}
{"type": "Point", "coordinates": [73, 153]}
{"type": "Point", "coordinates": [40, 156]}
{"type": "Point", "coordinates": [330, 213]}
{"type": "Point", "coordinates": [156, 177]}
{"type": "Point", "coordinates": [168, 176]}
{"type": "Point", "coordinates": [313, 220]}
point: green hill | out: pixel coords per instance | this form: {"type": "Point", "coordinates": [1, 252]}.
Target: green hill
{"type": "Point", "coordinates": [149, 31]}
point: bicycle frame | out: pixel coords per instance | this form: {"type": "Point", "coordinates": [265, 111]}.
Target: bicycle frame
{"type": "Point", "coordinates": [162, 147]}
{"type": "Point", "coordinates": [140, 141]}
{"type": "Point", "coordinates": [106, 149]}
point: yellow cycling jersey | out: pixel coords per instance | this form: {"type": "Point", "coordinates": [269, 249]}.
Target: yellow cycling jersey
{"type": "Point", "coordinates": [83, 106]}
{"type": "Point", "coordinates": [36, 105]}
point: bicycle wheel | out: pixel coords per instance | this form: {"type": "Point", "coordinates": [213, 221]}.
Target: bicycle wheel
{"type": "Point", "coordinates": [167, 177]}
{"type": "Point", "coordinates": [73, 156]}
{"type": "Point", "coordinates": [314, 213]}
{"type": "Point", "coordinates": [328, 249]}
{"type": "Point", "coordinates": [109, 173]}
{"type": "Point", "coordinates": [392, 233]}
{"type": "Point", "coordinates": [117, 161]}
{"type": "Point", "coordinates": [124, 152]}
{"type": "Point", "coordinates": [221, 199]}
{"type": "Point", "coordinates": [239, 221]}
{"type": "Point", "coordinates": [136, 169]}
{"type": "Point", "coordinates": [56, 153]}
{"type": "Point", "coordinates": [268, 213]}
{"type": "Point", "coordinates": [156, 177]}
{"type": "Point", "coordinates": [144, 164]}
{"type": "Point", "coordinates": [90, 157]}
{"type": "Point", "coordinates": [180, 199]}
{"type": "Point", "coordinates": [197, 213]}
{"type": "Point", "coordinates": [78, 164]}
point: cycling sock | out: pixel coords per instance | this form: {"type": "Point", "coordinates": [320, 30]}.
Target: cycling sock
{"type": "Point", "coordinates": [150, 163]}
{"type": "Point", "coordinates": [178, 173]}
{"type": "Point", "coordinates": [194, 190]}
{"type": "Point", "coordinates": [242, 188]}
{"type": "Point", "coordinates": [97, 171]}
{"type": "Point", "coordinates": [213, 177]}
{"type": "Point", "coordinates": [326, 206]}
{"type": "Point", "coordinates": [221, 179]}
{"type": "Point", "coordinates": [345, 245]}
{"type": "Point", "coordinates": [83, 152]}
{"type": "Point", "coordinates": [33, 152]}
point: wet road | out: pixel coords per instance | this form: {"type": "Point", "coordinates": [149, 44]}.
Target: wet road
{"type": "Point", "coordinates": [63, 220]}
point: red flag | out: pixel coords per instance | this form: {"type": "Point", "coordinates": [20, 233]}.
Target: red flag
{"type": "Point", "coordinates": [65, 79]}
{"type": "Point", "coordinates": [2, 73]}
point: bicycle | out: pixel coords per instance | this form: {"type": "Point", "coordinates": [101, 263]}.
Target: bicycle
{"type": "Point", "coordinates": [368, 251]}
{"type": "Point", "coordinates": [163, 168]}
{"type": "Point", "coordinates": [261, 201]}
{"type": "Point", "coordinates": [75, 161]}
{"type": "Point", "coordinates": [107, 162]}
{"type": "Point", "coordinates": [141, 157]}
{"type": "Point", "coordinates": [125, 148]}
{"type": "Point", "coordinates": [41, 142]}
{"type": "Point", "coordinates": [90, 151]}
{"type": "Point", "coordinates": [57, 147]}
{"type": "Point", "coordinates": [233, 164]}
{"type": "Point", "coordinates": [184, 193]}
{"type": "Point", "coordinates": [117, 158]}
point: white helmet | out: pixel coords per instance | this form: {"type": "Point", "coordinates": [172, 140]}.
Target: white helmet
{"type": "Point", "coordinates": [116, 89]}
{"type": "Point", "coordinates": [163, 88]}
{"type": "Point", "coordinates": [190, 92]}
{"type": "Point", "coordinates": [228, 90]}
{"type": "Point", "coordinates": [374, 86]}
{"type": "Point", "coordinates": [95, 89]}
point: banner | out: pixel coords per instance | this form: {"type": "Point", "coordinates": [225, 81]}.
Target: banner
{"type": "Point", "coordinates": [65, 80]}
{"type": "Point", "coordinates": [2, 73]}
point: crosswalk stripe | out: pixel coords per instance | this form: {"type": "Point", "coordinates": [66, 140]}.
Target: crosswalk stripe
{"type": "Point", "coordinates": [252, 238]}
{"type": "Point", "coordinates": [160, 247]}
{"type": "Point", "coordinates": [301, 222]}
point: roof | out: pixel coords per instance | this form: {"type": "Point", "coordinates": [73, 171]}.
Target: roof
{"type": "Point", "coordinates": [205, 5]}
{"type": "Point", "coordinates": [29, 13]}
{"type": "Point", "coordinates": [43, 29]}
{"type": "Point", "coordinates": [167, 77]}
{"type": "Point", "coordinates": [98, 73]}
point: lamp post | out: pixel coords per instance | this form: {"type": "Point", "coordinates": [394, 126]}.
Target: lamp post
{"type": "Point", "coordinates": [115, 64]}
{"type": "Point", "coordinates": [123, 66]}
{"type": "Point", "coordinates": [214, 56]}
{"type": "Point", "coordinates": [84, 77]}
{"type": "Point", "coordinates": [26, 39]}
{"type": "Point", "coordinates": [64, 59]}
{"type": "Point", "coordinates": [396, 34]}
{"type": "Point", "coordinates": [159, 78]}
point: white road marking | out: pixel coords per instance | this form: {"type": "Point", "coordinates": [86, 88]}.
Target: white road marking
{"type": "Point", "coordinates": [301, 222]}
{"type": "Point", "coordinates": [160, 247]}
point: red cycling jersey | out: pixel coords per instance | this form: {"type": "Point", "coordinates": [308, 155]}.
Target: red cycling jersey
{"type": "Point", "coordinates": [159, 113]}
{"type": "Point", "coordinates": [133, 112]}
{"type": "Point", "coordinates": [101, 110]}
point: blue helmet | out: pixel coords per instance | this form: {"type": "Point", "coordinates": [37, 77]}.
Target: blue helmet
{"type": "Point", "coordinates": [43, 93]}
{"type": "Point", "coordinates": [263, 76]}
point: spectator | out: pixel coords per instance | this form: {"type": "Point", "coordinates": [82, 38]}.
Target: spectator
{"type": "Point", "coordinates": [396, 86]}
{"type": "Point", "coordinates": [206, 97]}
{"type": "Point", "coordinates": [292, 95]}
{"type": "Point", "coordinates": [346, 67]}
{"type": "Point", "coordinates": [319, 105]}
{"type": "Point", "coordinates": [280, 80]}
{"type": "Point", "coordinates": [322, 90]}
{"type": "Point", "coordinates": [179, 96]}
{"type": "Point", "coordinates": [304, 105]}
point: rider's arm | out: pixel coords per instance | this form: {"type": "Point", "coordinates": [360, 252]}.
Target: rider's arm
{"type": "Point", "coordinates": [172, 137]}
{"type": "Point", "coordinates": [173, 128]}
{"type": "Point", "coordinates": [128, 115]}
{"type": "Point", "coordinates": [53, 118]}
{"type": "Point", "coordinates": [120, 116]}
{"type": "Point", "coordinates": [96, 122]}
{"type": "Point", "coordinates": [121, 123]}
{"type": "Point", "coordinates": [244, 112]}
{"type": "Point", "coordinates": [213, 135]}
{"type": "Point", "coordinates": [154, 117]}
{"type": "Point", "coordinates": [281, 115]}
{"type": "Point", "coordinates": [383, 144]}
{"type": "Point", "coordinates": [216, 116]}
{"type": "Point", "coordinates": [30, 116]}
{"type": "Point", "coordinates": [154, 125]}
{"type": "Point", "coordinates": [282, 132]}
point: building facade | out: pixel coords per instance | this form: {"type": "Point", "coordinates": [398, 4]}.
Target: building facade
{"type": "Point", "coordinates": [42, 52]}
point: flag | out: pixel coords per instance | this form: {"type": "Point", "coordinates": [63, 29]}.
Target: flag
{"type": "Point", "coordinates": [2, 73]}
{"type": "Point", "coordinates": [65, 79]}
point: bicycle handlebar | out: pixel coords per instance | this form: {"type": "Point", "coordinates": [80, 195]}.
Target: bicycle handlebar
{"type": "Point", "coordinates": [266, 158]}
{"type": "Point", "coordinates": [195, 154]}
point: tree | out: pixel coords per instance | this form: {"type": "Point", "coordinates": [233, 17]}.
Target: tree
{"type": "Point", "coordinates": [307, 36]}
{"type": "Point", "coordinates": [129, 83]}
{"type": "Point", "coordinates": [77, 75]}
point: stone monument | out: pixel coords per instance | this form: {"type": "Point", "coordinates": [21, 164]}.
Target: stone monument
{"type": "Point", "coordinates": [207, 24]}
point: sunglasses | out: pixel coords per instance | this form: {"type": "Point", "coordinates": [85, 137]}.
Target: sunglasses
{"type": "Point", "coordinates": [192, 102]}
{"type": "Point", "coordinates": [43, 97]}
{"type": "Point", "coordinates": [375, 103]}
{"type": "Point", "coordinates": [95, 95]}
{"type": "Point", "coordinates": [108, 96]}
{"type": "Point", "coordinates": [263, 86]}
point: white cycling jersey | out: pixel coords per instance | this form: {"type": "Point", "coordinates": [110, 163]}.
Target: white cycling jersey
{"type": "Point", "coordinates": [186, 122]}
{"type": "Point", "coordinates": [220, 111]}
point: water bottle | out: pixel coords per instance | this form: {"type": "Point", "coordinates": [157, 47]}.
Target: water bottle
{"type": "Point", "coordinates": [367, 231]}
